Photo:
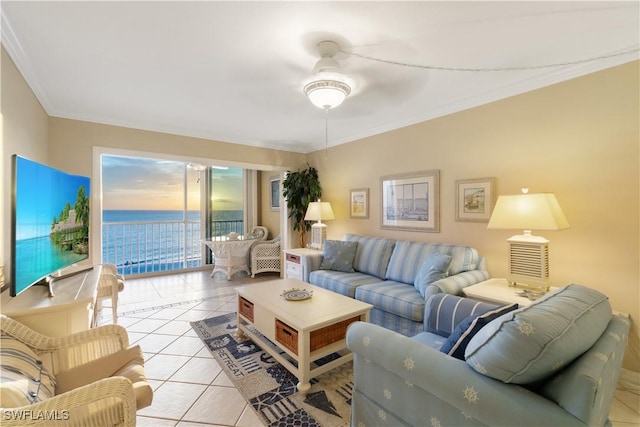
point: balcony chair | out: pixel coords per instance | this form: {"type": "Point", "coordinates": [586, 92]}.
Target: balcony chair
{"type": "Point", "coordinates": [232, 255]}
{"type": "Point", "coordinates": [91, 378]}
{"type": "Point", "coordinates": [265, 256]}
{"type": "Point", "coordinates": [108, 287]}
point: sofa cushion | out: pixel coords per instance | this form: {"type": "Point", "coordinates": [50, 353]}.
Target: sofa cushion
{"type": "Point", "coordinates": [341, 283]}
{"type": "Point", "coordinates": [435, 267]}
{"type": "Point", "coordinates": [457, 342]}
{"type": "Point", "coordinates": [407, 258]}
{"type": "Point", "coordinates": [25, 380]}
{"type": "Point", "coordinates": [118, 363]}
{"type": "Point", "coordinates": [338, 255]}
{"type": "Point", "coordinates": [401, 325]}
{"type": "Point", "coordinates": [372, 254]}
{"type": "Point", "coordinates": [393, 297]}
{"type": "Point", "coordinates": [533, 342]}
{"type": "Point", "coordinates": [434, 341]}
{"type": "Point", "coordinates": [463, 258]}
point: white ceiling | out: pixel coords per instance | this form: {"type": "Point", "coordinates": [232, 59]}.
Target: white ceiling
{"type": "Point", "coordinates": [234, 71]}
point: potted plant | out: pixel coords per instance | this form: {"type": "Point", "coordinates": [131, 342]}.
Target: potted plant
{"type": "Point", "coordinates": [299, 189]}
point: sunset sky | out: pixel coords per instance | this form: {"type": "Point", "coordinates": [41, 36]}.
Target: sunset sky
{"type": "Point", "coordinates": [150, 184]}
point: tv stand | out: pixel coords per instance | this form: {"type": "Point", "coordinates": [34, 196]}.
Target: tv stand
{"type": "Point", "coordinates": [51, 278]}
{"type": "Point", "coordinates": [48, 282]}
{"type": "Point", "coordinates": [70, 310]}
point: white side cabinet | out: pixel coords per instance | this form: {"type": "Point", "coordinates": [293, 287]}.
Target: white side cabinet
{"type": "Point", "coordinates": [71, 310]}
{"type": "Point", "coordinates": [299, 262]}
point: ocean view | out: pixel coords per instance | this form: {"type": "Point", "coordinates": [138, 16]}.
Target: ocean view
{"type": "Point", "coordinates": [143, 241]}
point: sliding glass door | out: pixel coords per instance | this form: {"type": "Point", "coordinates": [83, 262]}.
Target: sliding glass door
{"type": "Point", "coordinates": [156, 212]}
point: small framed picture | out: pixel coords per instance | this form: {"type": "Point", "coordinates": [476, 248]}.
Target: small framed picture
{"type": "Point", "coordinates": [274, 183]}
{"type": "Point", "coordinates": [411, 201]}
{"type": "Point", "coordinates": [475, 199]}
{"type": "Point", "coordinates": [359, 203]}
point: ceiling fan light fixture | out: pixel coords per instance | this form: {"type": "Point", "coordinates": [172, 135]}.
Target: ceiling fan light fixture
{"type": "Point", "coordinates": [329, 86]}
{"type": "Point", "coordinates": [327, 93]}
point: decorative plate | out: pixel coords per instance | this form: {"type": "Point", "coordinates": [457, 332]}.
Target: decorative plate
{"type": "Point", "coordinates": [296, 294]}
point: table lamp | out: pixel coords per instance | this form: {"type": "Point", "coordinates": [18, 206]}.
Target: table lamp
{"type": "Point", "coordinates": [318, 211]}
{"type": "Point", "coordinates": [528, 254]}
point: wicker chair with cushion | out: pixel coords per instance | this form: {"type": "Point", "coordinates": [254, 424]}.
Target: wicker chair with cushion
{"type": "Point", "coordinates": [265, 256]}
{"type": "Point", "coordinates": [257, 232]}
{"type": "Point", "coordinates": [91, 378]}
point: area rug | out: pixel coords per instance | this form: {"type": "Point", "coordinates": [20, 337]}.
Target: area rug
{"type": "Point", "coordinates": [269, 387]}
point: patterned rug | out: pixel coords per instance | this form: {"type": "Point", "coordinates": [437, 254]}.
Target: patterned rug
{"type": "Point", "coordinates": [269, 387]}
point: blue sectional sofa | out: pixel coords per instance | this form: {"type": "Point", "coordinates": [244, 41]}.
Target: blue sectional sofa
{"type": "Point", "coordinates": [555, 362]}
{"type": "Point", "coordinates": [384, 274]}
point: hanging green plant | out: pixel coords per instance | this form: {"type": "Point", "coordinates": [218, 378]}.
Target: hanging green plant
{"type": "Point", "coordinates": [299, 189]}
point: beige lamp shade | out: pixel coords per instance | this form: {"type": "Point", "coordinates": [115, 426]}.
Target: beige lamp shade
{"type": "Point", "coordinates": [528, 212]}
{"type": "Point", "coordinates": [319, 211]}
{"type": "Point", "coordinates": [528, 259]}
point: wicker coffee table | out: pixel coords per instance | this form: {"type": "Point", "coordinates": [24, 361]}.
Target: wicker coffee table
{"type": "Point", "coordinates": [306, 330]}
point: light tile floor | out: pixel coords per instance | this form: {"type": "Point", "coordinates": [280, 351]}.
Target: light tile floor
{"type": "Point", "coordinates": [190, 388]}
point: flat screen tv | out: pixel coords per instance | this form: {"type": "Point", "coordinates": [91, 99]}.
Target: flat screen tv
{"type": "Point", "coordinates": [49, 223]}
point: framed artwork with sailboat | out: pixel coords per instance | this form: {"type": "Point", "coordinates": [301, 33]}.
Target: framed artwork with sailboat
{"type": "Point", "coordinates": [475, 199]}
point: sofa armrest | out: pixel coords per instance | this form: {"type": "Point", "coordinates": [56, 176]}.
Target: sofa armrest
{"type": "Point", "coordinates": [310, 263]}
{"type": "Point", "coordinates": [404, 379]}
{"type": "Point", "coordinates": [455, 284]}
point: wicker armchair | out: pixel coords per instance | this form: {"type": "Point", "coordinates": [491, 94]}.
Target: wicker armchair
{"type": "Point", "coordinates": [108, 287]}
{"type": "Point", "coordinates": [109, 401]}
{"type": "Point", "coordinates": [265, 256]}
{"type": "Point", "coordinates": [257, 232]}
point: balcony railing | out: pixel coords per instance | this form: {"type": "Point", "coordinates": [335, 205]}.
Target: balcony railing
{"type": "Point", "coordinates": [148, 247]}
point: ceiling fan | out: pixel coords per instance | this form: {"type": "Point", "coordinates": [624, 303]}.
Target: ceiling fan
{"type": "Point", "coordinates": [329, 85]}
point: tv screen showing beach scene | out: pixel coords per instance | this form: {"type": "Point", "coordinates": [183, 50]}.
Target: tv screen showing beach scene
{"type": "Point", "coordinates": [50, 222]}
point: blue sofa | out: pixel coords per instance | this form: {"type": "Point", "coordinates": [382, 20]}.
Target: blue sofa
{"type": "Point", "coordinates": [555, 362]}
{"type": "Point", "coordinates": [384, 273]}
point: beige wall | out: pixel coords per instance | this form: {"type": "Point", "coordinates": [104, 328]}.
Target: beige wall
{"type": "Point", "coordinates": [24, 132]}
{"type": "Point", "coordinates": [71, 145]}
{"type": "Point", "coordinates": [578, 139]}
{"type": "Point", "coordinates": [268, 218]}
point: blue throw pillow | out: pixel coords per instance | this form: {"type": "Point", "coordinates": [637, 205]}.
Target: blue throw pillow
{"type": "Point", "coordinates": [457, 342]}
{"type": "Point", "coordinates": [435, 267]}
{"type": "Point", "coordinates": [338, 255]}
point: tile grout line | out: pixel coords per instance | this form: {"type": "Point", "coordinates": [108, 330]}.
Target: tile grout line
{"type": "Point", "coordinates": [175, 304]}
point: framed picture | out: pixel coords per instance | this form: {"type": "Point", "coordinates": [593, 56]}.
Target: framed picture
{"type": "Point", "coordinates": [359, 203]}
{"type": "Point", "coordinates": [411, 201]}
{"type": "Point", "coordinates": [475, 199]}
{"type": "Point", "coordinates": [274, 183]}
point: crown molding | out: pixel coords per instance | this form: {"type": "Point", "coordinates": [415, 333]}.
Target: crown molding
{"type": "Point", "coordinates": [13, 47]}
{"type": "Point", "coordinates": [530, 84]}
